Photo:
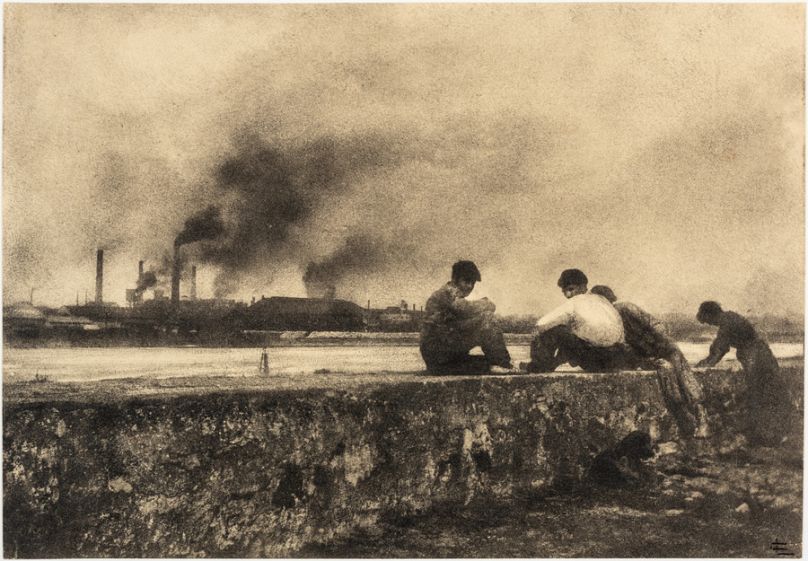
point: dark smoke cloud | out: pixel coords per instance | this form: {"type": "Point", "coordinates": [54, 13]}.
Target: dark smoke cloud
{"type": "Point", "coordinates": [205, 225]}
{"type": "Point", "coordinates": [353, 211]}
{"type": "Point", "coordinates": [147, 281]}
{"type": "Point", "coordinates": [360, 253]}
{"type": "Point", "coordinates": [271, 190]}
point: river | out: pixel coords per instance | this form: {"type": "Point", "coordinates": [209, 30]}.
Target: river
{"type": "Point", "coordinates": [87, 364]}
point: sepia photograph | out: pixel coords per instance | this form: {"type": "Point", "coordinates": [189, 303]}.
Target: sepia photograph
{"type": "Point", "coordinates": [403, 280]}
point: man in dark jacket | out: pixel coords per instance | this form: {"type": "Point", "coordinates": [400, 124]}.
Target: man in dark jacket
{"type": "Point", "coordinates": [765, 393]}
{"type": "Point", "coordinates": [453, 326]}
{"type": "Point", "coordinates": [651, 348]}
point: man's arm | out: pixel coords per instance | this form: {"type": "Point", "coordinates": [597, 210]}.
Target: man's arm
{"type": "Point", "coordinates": [562, 315]}
{"type": "Point", "coordinates": [470, 308]}
{"type": "Point", "coordinates": [451, 307]}
{"type": "Point", "coordinates": [718, 349]}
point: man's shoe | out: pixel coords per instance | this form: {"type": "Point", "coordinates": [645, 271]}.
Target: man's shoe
{"type": "Point", "coordinates": [504, 370]}
{"type": "Point", "coordinates": [530, 368]}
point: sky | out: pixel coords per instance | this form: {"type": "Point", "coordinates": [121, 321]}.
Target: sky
{"type": "Point", "coordinates": [657, 147]}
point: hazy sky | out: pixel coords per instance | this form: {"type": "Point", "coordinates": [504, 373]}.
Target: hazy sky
{"type": "Point", "coordinates": [658, 147]}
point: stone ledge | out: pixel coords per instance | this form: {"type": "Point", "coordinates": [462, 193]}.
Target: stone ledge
{"type": "Point", "coordinates": [262, 466]}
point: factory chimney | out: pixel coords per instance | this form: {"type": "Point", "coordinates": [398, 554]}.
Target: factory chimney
{"type": "Point", "coordinates": [99, 276]}
{"type": "Point", "coordinates": [137, 293]}
{"type": "Point", "coordinates": [175, 278]}
{"type": "Point", "coordinates": [193, 282]}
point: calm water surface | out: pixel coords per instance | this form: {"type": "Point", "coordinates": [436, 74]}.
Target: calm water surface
{"type": "Point", "coordinates": [86, 364]}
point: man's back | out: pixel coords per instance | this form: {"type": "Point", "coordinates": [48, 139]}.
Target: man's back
{"type": "Point", "coordinates": [643, 331]}
{"type": "Point", "coordinates": [736, 329]}
{"type": "Point", "coordinates": [590, 317]}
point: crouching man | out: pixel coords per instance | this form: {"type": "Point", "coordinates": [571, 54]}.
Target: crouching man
{"type": "Point", "coordinates": [585, 331]}
{"type": "Point", "coordinates": [453, 326]}
{"type": "Point", "coordinates": [765, 396]}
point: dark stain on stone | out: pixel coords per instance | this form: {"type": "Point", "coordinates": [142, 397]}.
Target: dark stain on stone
{"type": "Point", "coordinates": [323, 476]}
{"type": "Point", "coordinates": [290, 488]}
{"type": "Point", "coordinates": [383, 462]}
{"type": "Point", "coordinates": [242, 495]}
{"type": "Point", "coordinates": [482, 460]}
{"type": "Point", "coordinates": [106, 417]}
{"type": "Point", "coordinates": [339, 450]}
{"type": "Point", "coordinates": [324, 482]}
{"type": "Point", "coordinates": [452, 465]}
{"type": "Point", "coordinates": [559, 407]}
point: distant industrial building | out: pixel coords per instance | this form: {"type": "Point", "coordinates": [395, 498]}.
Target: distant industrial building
{"type": "Point", "coordinates": [215, 321]}
{"type": "Point", "coordinates": [307, 314]}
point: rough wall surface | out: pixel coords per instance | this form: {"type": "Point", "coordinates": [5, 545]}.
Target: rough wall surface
{"type": "Point", "coordinates": [262, 472]}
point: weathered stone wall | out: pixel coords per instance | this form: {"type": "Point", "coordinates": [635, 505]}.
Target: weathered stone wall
{"type": "Point", "coordinates": [261, 471]}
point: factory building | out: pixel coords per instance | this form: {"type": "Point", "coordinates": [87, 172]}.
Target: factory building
{"type": "Point", "coordinates": [307, 314]}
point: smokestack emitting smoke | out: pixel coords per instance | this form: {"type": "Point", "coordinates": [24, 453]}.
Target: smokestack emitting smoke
{"type": "Point", "coordinates": [138, 292]}
{"type": "Point", "coordinates": [99, 276]}
{"type": "Point", "coordinates": [146, 281]}
{"type": "Point", "coordinates": [205, 225]}
{"type": "Point", "coordinates": [193, 282]}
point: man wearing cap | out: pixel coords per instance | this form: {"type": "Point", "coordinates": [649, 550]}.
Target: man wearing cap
{"type": "Point", "coordinates": [651, 348]}
{"type": "Point", "coordinates": [585, 331]}
{"type": "Point", "coordinates": [766, 397]}
{"type": "Point", "coordinates": [453, 326]}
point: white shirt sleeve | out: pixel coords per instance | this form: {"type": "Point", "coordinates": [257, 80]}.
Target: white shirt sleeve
{"type": "Point", "coordinates": [562, 315]}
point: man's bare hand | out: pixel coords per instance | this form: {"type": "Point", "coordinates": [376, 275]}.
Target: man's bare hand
{"type": "Point", "coordinates": [487, 305]}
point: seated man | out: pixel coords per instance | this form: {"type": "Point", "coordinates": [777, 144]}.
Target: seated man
{"type": "Point", "coordinates": [651, 348]}
{"type": "Point", "coordinates": [453, 326]}
{"type": "Point", "coordinates": [766, 397]}
{"type": "Point", "coordinates": [585, 331]}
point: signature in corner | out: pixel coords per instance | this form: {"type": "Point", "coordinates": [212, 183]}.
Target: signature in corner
{"type": "Point", "coordinates": [783, 549]}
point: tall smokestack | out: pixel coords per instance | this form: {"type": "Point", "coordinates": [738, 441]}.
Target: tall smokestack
{"type": "Point", "coordinates": [137, 295]}
{"type": "Point", "coordinates": [193, 282]}
{"type": "Point", "coordinates": [175, 278]}
{"type": "Point", "coordinates": [99, 276]}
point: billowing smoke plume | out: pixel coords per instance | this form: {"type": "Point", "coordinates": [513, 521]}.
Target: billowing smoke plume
{"type": "Point", "coordinates": [271, 193]}
{"type": "Point", "coordinates": [146, 281]}
{"type": "Point", "coordinates": [361, 253]}
{"type": "Point", "coordinates": [205, 225]}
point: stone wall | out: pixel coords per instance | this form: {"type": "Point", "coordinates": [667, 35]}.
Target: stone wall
{"type": "Point", "coordinates": [260, 471]}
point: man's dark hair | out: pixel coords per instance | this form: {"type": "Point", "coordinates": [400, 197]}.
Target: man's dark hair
{"type": "Point", "coordinates": [605, 291]}
{"type": "Point", "coordinates": [709, 309]}
{"type": "Point", "coordinates": [571, 277]}
{"type": "Point", "coordinates": [466, 270]}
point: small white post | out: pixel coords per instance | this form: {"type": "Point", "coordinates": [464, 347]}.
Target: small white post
{"type": "Point", "coordinates": [263, 366]}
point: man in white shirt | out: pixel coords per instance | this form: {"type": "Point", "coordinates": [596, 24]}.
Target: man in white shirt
{"type": "Point", "coordinates": [585, 331]}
